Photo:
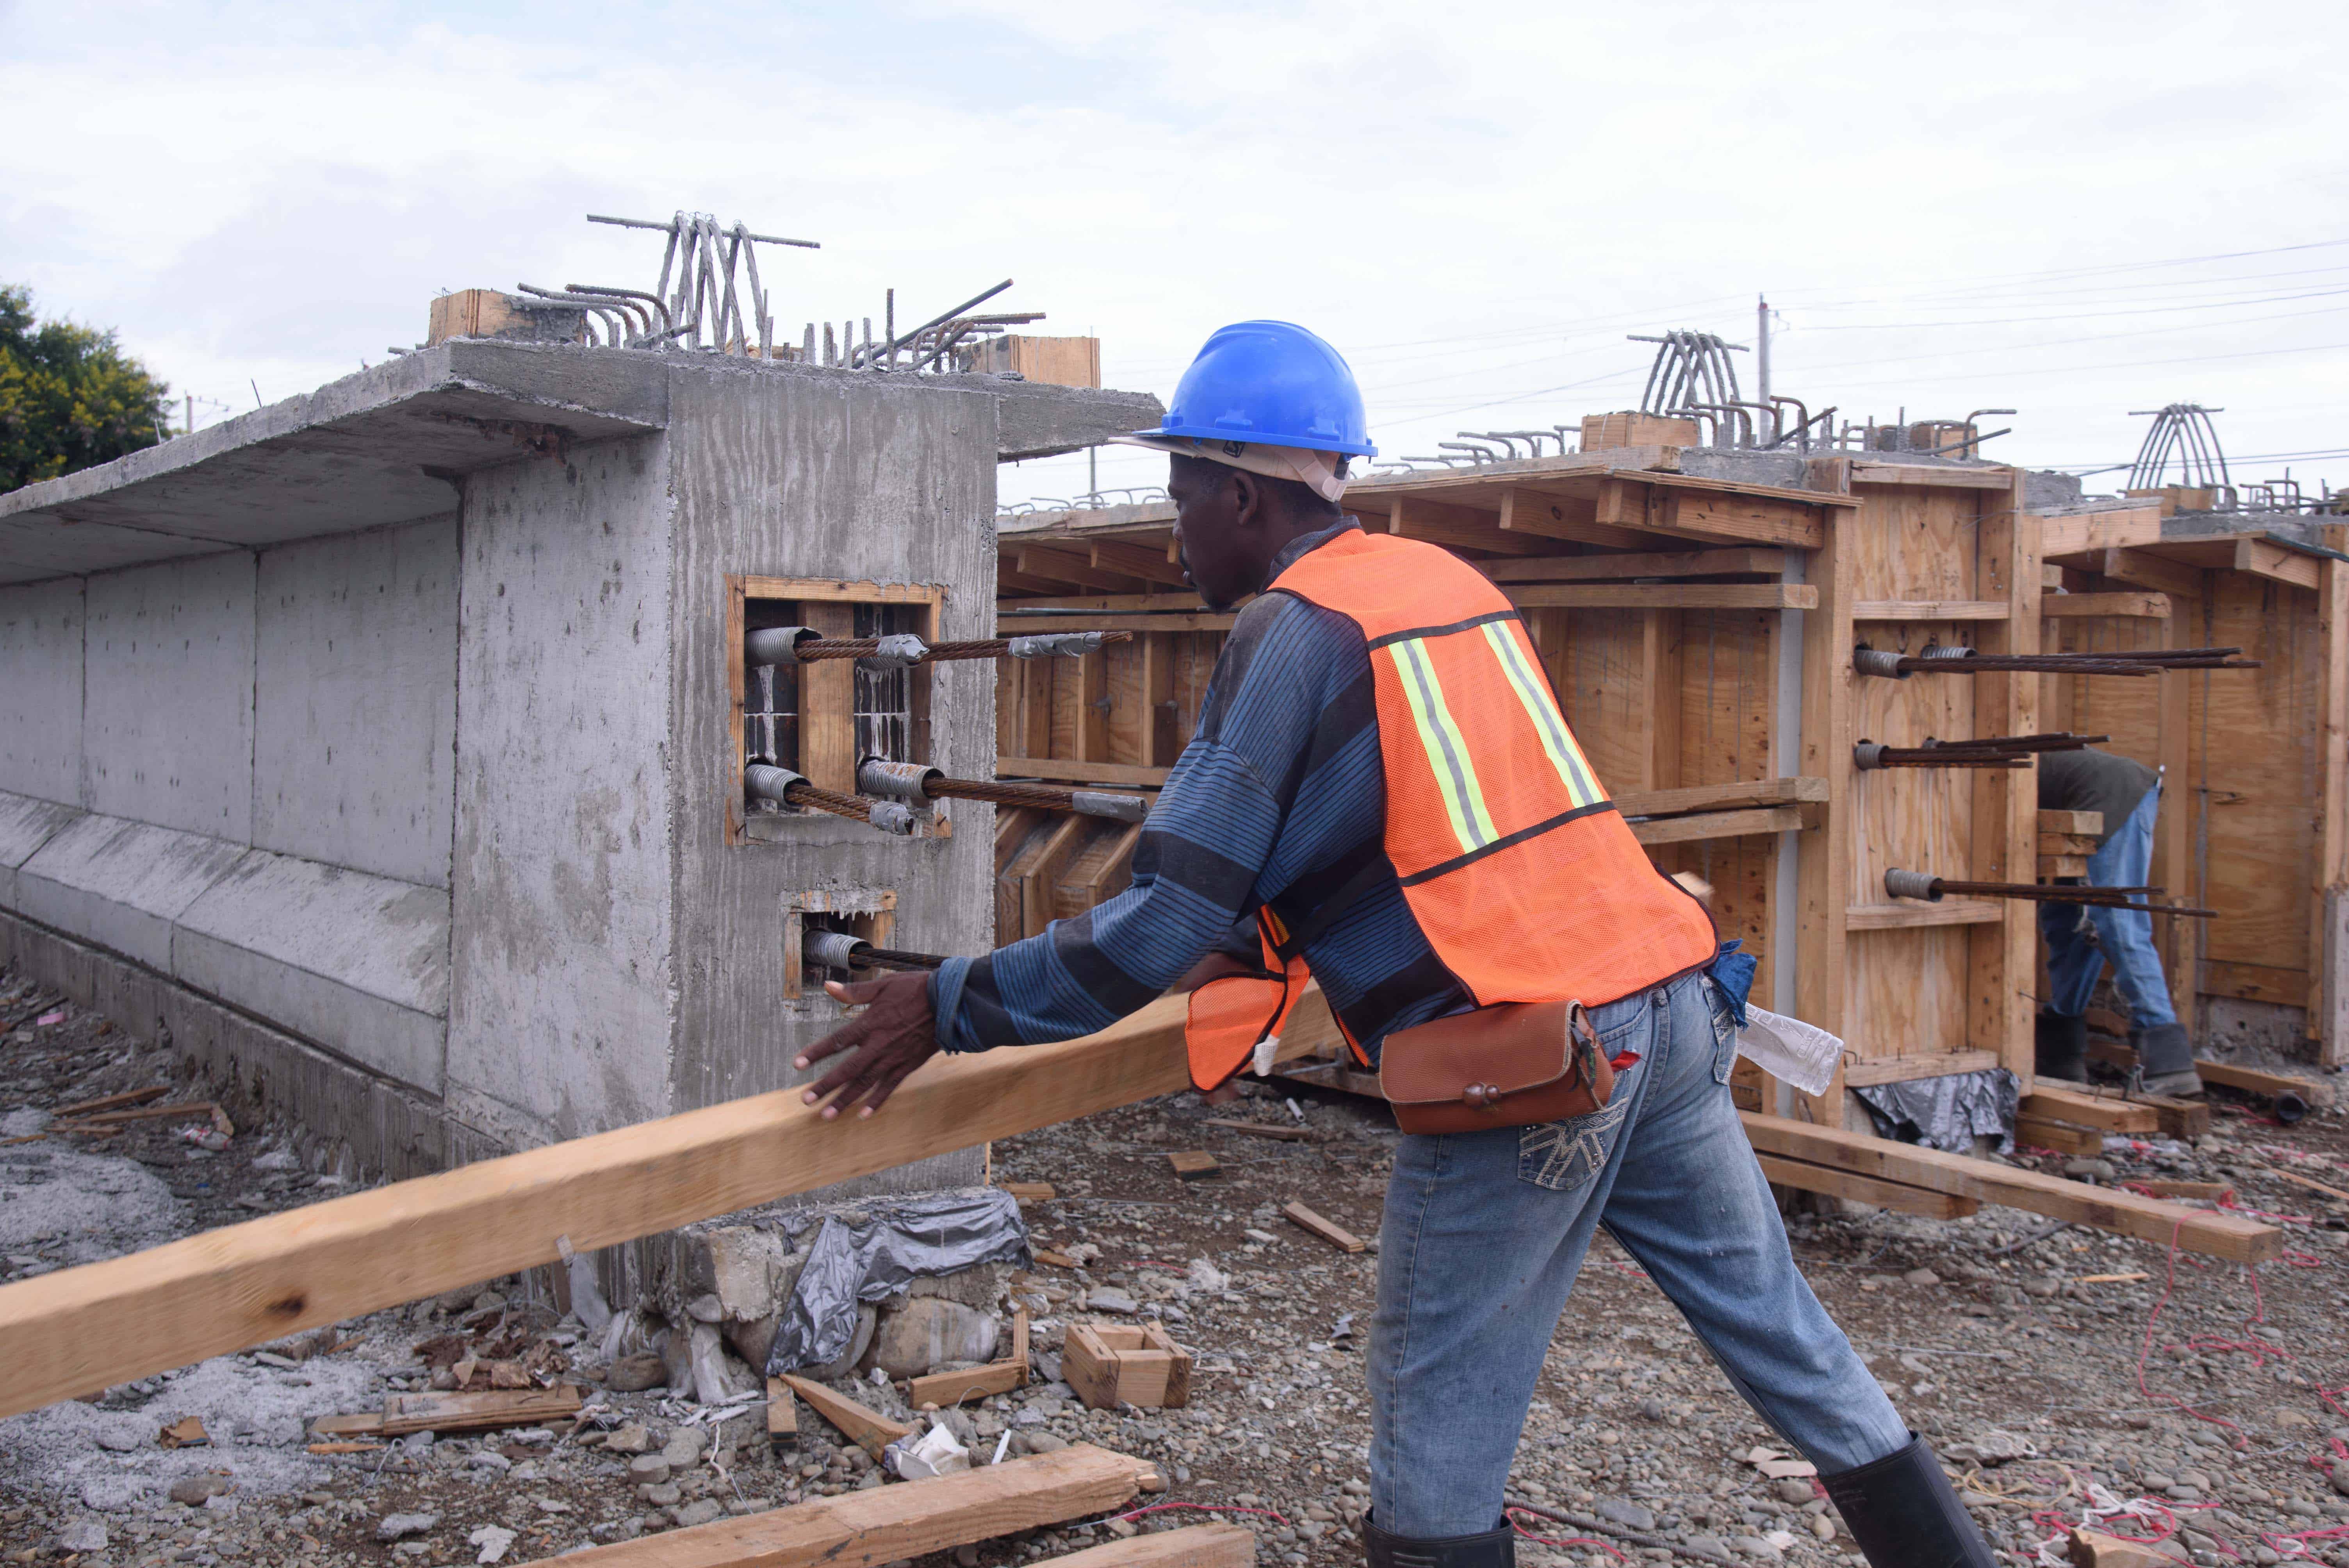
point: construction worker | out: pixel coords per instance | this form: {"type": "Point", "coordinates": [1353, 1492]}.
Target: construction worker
{"type": "Point", "coordinates": [1382, 784]}
{"type": "Point", "coordinates": [2082, 938]}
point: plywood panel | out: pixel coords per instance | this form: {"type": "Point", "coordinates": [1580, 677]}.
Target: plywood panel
{"type": "Point", "coordinates": [1919, 819]}
{"type": "Point", "coordinates": [2253, 751]}
{"type": "Point", "coordinates": [1729, 688]}
{"type": "Point", "coordinates": [1914, 544]}
{"type": "Point", "coordinates": [1906, 991]}
{"type": "Point", "coordinates": [1599, 685]}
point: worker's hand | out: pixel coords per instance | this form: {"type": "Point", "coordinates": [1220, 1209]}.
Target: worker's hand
{"type": "Point", "coordinates": [895, 1034]}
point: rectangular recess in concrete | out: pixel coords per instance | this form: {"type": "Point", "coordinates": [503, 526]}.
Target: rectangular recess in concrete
{"type": "Point", "coordinates": [355, 700]}
{"type": "Point", "coordinates": [121, 884]}
{"type": "Point", "coordinates": [40, 699]}
{"type": "Point", "coordinates": [357, 961]}
{"type": "Point", "coordinates": [168, 727]}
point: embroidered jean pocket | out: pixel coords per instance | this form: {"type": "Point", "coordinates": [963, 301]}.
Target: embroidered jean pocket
{"type": "Point", "coordinates": [1564, 1155]}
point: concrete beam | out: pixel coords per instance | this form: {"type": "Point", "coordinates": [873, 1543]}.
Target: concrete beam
{"type": "Point", "coordinates": [1035, 419]}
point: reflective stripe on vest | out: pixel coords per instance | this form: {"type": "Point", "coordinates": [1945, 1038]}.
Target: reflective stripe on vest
{"type": "Point", "coordinates": [1527, 882]}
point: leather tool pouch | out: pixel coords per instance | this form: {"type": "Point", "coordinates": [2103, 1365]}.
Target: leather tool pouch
{"type": "Point", "coordinates": [1514, 1064]}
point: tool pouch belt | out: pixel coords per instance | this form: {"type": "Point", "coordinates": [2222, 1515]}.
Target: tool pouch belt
{"type": "Point", "coordinates": [1511, 1065]}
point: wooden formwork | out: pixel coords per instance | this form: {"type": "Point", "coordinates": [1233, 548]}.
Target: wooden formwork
{"type": "Point", "coordinates": [2255, 764]}
{"type": "Point", "coordinates": [1699, 632]}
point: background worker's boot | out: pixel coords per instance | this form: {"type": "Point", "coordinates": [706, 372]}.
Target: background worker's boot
{"type": "Point", "coordinates": [2062, 1047]}
{"type": "Point", "coordinates": [2166, 1057]}
{"type": "Point", "coordinates": [1902, 1512]}
{"type": "Point", "coordinates": [1493, 1549]}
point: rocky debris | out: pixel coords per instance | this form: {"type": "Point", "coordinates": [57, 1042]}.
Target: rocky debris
{"type": "Point", "coordinates": [930, 1331]}
{"type": "Point", "coordinates": [400, 1526]}
{"type": "Point", "coordinates": [493, 1541]}
{"type": "Point", "coordinates": [195, 1490]}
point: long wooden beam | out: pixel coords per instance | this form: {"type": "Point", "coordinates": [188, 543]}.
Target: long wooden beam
{"type": "Point", "coordinates": [890, 1524]}
{"type": "Point", "coordinates": [83, 1329]}
{"type": "Point", "coordinates": [2227, 1236]}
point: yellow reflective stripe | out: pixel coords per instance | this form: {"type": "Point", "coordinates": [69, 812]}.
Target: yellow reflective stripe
{"type": "Point", "coordinates": [1574, 771]}
{"type": "Point", "coordinates": [1447, 752]}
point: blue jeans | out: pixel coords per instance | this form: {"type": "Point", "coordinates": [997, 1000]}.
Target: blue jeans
{"type": "Point", "coordinates": [1485, 1232]}
{"type": "Point", "coordinates": [2123, 937]}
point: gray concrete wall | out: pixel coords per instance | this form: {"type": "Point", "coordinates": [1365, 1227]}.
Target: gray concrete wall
{"type": "Point", "coordinates": [40, 698]}
{"type": "Point", "coordinates": [819, 477]}
{"type": "Point", "coordinates": [563, 942]}
{"type": "Point", "coordinates": [167, 717]}
{"type": "Point", "coordinates": [355, 706]}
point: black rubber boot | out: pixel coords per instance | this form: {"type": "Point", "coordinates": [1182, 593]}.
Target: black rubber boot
{"type": "Point", "coordinates": [1493, 1549]}
{"type": "Point", "coordinates": [2063, 1050]}
{"type": "Point", "coordinates": [1904, 1515]}
{"type": "Point", "coordinates": [2166, 1057]}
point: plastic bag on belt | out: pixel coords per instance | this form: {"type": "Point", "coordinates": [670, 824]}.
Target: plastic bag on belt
{"type": "Point", "coordinates": [902, 1241]}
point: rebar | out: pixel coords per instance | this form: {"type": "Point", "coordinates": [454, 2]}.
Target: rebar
{"type": "Point", "coordinates": [764, 781]}
{"type": "Point", "coordinates": [841, 949]}
{"type": "Point", "coordinates": [917, 783]}
{"type": "Point", "coordinates": [1986, 751]}
{"type": "Point", "coordinates": [1929, 889]}
{"type": "Point", "coordinates": [1953, 660]}
{"type": "Point", "coordinates": [2183, 431]}
{"type": "Point", "coordinates": [812, 649]}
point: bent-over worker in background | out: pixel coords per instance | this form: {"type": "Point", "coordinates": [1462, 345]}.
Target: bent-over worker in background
{"type": "Point", "coordinates": [2082, 938]}
{"type": "Point", "coordinates": [1382, 784]}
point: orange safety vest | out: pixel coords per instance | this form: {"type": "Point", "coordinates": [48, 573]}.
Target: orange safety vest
{"type": "Point", "coordinates": [1525, 879]}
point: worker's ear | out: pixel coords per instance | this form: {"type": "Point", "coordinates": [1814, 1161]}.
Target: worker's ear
{"type": "Point", "coordinates": [1248, 498]}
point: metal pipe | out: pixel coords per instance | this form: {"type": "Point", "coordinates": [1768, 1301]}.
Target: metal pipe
{"type": "Point", "coordinates": [1037, 645]}
{"type": "Point", "coordinates": [920, 784]}
{"type": "Point", "coordinates": [1929, 888]}
{"type": "Point", "coordinates": [765, 782]}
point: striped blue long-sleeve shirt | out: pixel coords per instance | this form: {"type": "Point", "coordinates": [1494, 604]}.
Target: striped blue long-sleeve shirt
{"type": "Point", "coordinates": [1279, 798]}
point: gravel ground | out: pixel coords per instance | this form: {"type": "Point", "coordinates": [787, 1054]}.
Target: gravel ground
{"type": "Point", "coordinates": [2048, 1390]}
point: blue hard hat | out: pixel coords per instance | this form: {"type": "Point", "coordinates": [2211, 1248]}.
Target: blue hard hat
{"type": "Point", "coordinates": [1271, 383]}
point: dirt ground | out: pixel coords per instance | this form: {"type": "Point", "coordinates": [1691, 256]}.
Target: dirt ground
{"type": "Point", "coordinates": [2058, 1370]}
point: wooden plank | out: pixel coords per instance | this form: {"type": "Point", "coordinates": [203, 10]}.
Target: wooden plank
{"type": "Point", "coordinates": [1013, 625]}
{"type": "Point", "coordinates": [2250, 1080]}
{"type": "Point", "coordinates": [2002, 959]}
{"type": "Point", "coordinates": [869, 1429]}
{"type": "Point", "coordinates": [1109, 603]}
{"type": "Point", "coordinates": [887, 1524]}
{"type": "Point", "coordinates": [1743, 561]}
{"type": "Point", "coordinates": [783, 1416]}
{"type": "Point", "coordinates": [462, 1412]}
{"type": "Point", "coordinates": [1664, 596]}
{"type": "Point", "coordinates": [1455, 527]}
{"type": "Point", "coordinates": [1135, 561]}
{"type": "Point", "coordinates": [1732, 518]}
{"type": "Point", "coordinates": [1913, 916]}
{"type": "Point", "coordinates": [1194, 1164]}
{"type": "Point", "coordinates": [1800, 495]}
{"type": "Point", "coordinates": [1573, 465]}
{"type": "Point", "coordinates": [1193, 1546]}
{"type": "Point", "coordinates": [2261, 558]}
{"type": "Point", "coordinates": [1823, 858]}
{"type": "Point", "coordinates": [1906, 1069]}
{"type": "Point", "coordinates": [1328, 1231]}
{"type": "Point", "coordinates": [2094, 532]}
{"type": "Point", "coordinates": [2088, 606]}
{"type": "Point", "coordinates": [2066, 843]}
{"type": "Point", "coordinates": [1856, 1189]}
{"type": "Point", "coordinates": [2327, 1017]}
{"type": "Point", "coordinates": [2144, 570]}
{"type": "Point", "coordinates": [1068, 770]}
{"type": "Point", "coordinates": [1031, 1192]}
{"type": "Point", "coordinates": [1040, 871]}
{"type": "Point", "coordinates": [2298, 1180]}
{"type": "Point", "coordinates": [828, 703]}
{"type": "Point", "coordinates": [2207, 1192]}
{"type": "Point", "coordinates": [2065, 1138]}
{"type": "Point", "coordinates": [1262, 1128]}
{"type": "Point", "coordinates": [2091, 823]}
{"type": "Point", "coordinates": [1864, 472]}
{"type": "Point", "coordinates": [1073, 565]}
{"type": "Point", "coordinates": [2050, 867]}
{"type": "Point", "coordinates": [2089, 1107]}
{"type": "Point", "coordinates": [1718, 825]}
{"type": "Point", "coordinates": [1722, 797]}
{"type": "Point", "coordinates": [945, 1389]}
{"type": "Point", "coordinates": [113, 1101]}
{"type": "Point", "coordinates": [2226, 1236]}
{"type": "Point", "coordinates": [248, 1283]}
{"type": "Point", "coordinates": [1930, 610]}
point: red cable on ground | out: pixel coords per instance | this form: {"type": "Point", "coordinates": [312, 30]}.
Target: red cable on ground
{"type": "Point", "coordinates": [1510, 1515]}
{"type": "Point", "coordinates": [1208, 1508]}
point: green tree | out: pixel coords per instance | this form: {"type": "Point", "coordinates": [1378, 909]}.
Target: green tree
{"type": "Point", "coordinates": [69, 397]}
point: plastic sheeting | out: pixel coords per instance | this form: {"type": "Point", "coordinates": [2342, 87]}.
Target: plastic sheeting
{"type": "Point", "coordinates": [1946, 1113]}
{"type": "Point", "coordinates": [913, 1239]}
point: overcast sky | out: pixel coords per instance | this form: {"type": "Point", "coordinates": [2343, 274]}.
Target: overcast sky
{"type": "Point", "coordinates": [2074, 211]}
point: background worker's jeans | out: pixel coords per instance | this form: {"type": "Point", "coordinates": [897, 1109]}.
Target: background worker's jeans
{"type": "Point", "coordinates": [1484, 1232]}
{"type": "Point", "coordinates": [2124, 936]}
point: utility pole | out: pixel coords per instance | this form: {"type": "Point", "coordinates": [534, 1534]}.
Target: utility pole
{"type": "Point", "coordinates": [192, 415]}
{"type": "Point", "coordinates": [1762, 317]}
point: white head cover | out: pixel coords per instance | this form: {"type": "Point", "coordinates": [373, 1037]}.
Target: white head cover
{"type": "Point", "coordinates": [1318, 472]}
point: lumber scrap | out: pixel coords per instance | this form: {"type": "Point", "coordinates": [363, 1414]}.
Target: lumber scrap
{"type": "Point", "coordinates": [1031, 1192]}
{"type": "Point", "coordinates": [2087, 1107]}
{"type": "Point", "coordinates": [868, 1428]}
{"type": "Point", "coordinates": [1261, 1129]}
{"type": "Point", "coordinates": [1194, 1164]}
{"type": "Point", "coordinates": [890, 1524]}
{"type": "Point", "coordinates": [111, 1101]}
{"type": "Point", "coordinates": [2089, 822]}
{"type": "Point", "coordinates": [2062, 1136]}
{"type": "Point", "coordinates": [1895, 1195]}
{"type": "Point", "coordinates": [1193, 1546]}
{"type": "Point", "coordinates": [246, 1285]}
{"type": "Point", "coordinates": [475, 1412]}
{"type": "Point", "coordinates": [1329, 1230]}
{"type": "Point", "coordinates": [2250, 1080]}
{"type": "Point", "coordinates": [2204, 1192]}
{"type": "Point", "coordinates": [1109, 1364]}
{"type": "Point", "coordinates": [943, 1389]}
{"type": "Point", "coordinates": [2226, 1236]}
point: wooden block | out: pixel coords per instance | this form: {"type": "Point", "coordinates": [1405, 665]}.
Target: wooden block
{"type": "Point", "coordinates": [868, 1429]}
{"type": "Point", "coordinates": [111, 1101]}
{"type": "Point", "coordinates": [475, 1412]}
{"type": "Point", "coordinates": [783, 1416]}
{"type": "Point", "coordinates": [2062, 1136]}
{"type": "Point", "coordinates": [2227, 1236]}
{"type": "Point", "coordinates": [2087, 1107]}
{"type": "Point", "coordinates": [2089, 822]}
{"type": "Point", "coordinates": [1195, 1165]}
{"type": "Point", "coordinates": [2180, 1118]}
{"type": "Point", "coordinates": [944, 1389]}
{"type": "Point", "coordinates": [2208, 1191]}
{"type": "Point", "coordinates": [1107, 1363]}
{"type": "Point", "coordinates": [1193, 1546]}
{"type": "Point", "coordinates": [345, 1426]}
{"type": "Point", "coordinates": [1328, 1231]}
{"type": "Point", "coordinates": [1032, 1192]}
{"type": "Point", "coordinates": [889, 1524]}
{"type": "Point", "coordinates": [1262, 1130]}
{"type": "Point", "coordinates": [2067, 843]}
{"type": "Point", "coordinates": [2053, 866]}
{"type": "Point", "coordinates": [2300, 1181]}
{"type": "Point", "coordinates": [2250, 1080]}
{"type": "Point", "coordinates": [1704, 825]}
{"type": "Point", "coordinates": [2094, 1548]}
{"type": "Point", "coordinates": [1844, 1185]}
